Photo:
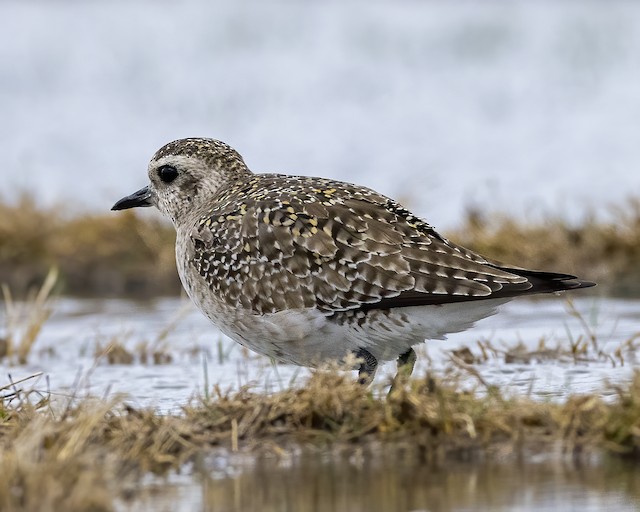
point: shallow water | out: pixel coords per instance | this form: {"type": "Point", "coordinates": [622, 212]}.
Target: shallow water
{"type": "Point", "coordinates": [70, 350]}
{"type": "Point", "coordinates": [390, 482]}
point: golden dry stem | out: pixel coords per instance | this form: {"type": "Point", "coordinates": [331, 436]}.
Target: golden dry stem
{"type": "Point", "coordinates": [24, 321]}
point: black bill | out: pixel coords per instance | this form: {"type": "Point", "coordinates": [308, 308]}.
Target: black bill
{"type": "Point", "coordinates": [141, 198]}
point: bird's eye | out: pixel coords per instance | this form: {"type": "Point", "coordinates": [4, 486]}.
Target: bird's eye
{"type": "Point", "coordinates": [167, 173]}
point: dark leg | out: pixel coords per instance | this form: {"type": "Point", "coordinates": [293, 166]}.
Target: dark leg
{"type": "Point", "coordinates": [406, 362]}
{"type": "Point", "coordinates": [367, 370]}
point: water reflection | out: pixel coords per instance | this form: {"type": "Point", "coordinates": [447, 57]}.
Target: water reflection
{"type": "Point", "coordinates": [392, 481]}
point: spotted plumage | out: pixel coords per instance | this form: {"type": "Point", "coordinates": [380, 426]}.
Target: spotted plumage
{"type": "Point", "coordinates": [306, 269]}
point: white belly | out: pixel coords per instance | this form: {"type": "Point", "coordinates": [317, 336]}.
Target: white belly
{"type": "Point", "coordinates": [307, 337]}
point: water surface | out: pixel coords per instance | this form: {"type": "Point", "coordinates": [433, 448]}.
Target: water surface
{"type": "Point", "coordinates": [71, 350]}
{"type": "Point", "coordinates": [389, 481]}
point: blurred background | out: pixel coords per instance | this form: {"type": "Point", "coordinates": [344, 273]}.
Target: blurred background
{"type": "Point", "coordinates": [530, 108]}
{"type": "Point", "coordinates": [512, 127]}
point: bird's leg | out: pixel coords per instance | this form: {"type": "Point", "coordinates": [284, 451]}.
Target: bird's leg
{"type": "Point", "coordinates": [367, 370]}
{"type": "Point", "coordinates": [406, 362]}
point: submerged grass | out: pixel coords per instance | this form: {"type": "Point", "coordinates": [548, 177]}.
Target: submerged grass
{"type": "Point", "coordinates": [87, 453]}
{"type": "Point", "coordinates": [129, 253]}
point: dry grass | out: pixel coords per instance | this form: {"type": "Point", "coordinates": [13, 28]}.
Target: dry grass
{"type": "Point", "coordinates": [577, 349]}
{"type": "Point", "coordinates": [128, 253]}
{"type": "Point", "coordinates": [105, 254]}
{"type": "Point", "coordinates": [606, 252]}
{"type": "Point", "coordinates": [153, 350]}
{"type": "Point", "coordinates": [89, 453]}
{"type": "Point", "coordinates": [24, 321]}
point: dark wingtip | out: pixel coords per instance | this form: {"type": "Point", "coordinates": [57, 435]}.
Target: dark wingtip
{"type": "Point", "coordinates": [568, 281]}
{"type": "Point", "coordinates": [576, 285]}
{"type": "Point", "coordinates": [545, 282]}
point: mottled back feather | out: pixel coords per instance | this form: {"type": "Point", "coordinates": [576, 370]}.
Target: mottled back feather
{"type": "Point", "coordinates": [275, 242]}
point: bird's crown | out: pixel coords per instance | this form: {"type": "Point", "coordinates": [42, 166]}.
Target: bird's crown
{"type": "Point", "coordinates": [186, 173]}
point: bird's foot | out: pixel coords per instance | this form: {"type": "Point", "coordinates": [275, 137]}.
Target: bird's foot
{"type": "Point", "coordinates": [406, 362]}
{"type": "Point", "coordinates": [368, 367]}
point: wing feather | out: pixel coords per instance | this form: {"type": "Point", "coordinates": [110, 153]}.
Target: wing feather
{"type": "Point", "coordinates": [309, 242]}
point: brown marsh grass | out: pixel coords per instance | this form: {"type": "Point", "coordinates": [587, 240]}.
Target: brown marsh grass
{"type": "Point", "coordinates": [132, 253]}
{"type": "Point", "coordinates": [84, 454]}
{"type": "Point", "coordinates": [96, 254]}
{"type": "Point", "coordinates": [605, 252]}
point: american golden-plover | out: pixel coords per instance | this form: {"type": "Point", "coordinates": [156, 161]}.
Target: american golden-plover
{"type": "Point", "coordinates": [306, 270]}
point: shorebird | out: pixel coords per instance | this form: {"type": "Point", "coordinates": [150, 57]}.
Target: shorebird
{"type": "Point", "coordinates": [306, 270]}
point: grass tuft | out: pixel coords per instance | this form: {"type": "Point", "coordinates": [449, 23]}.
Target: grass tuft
{"type": "Point", "coordinates": [24, 321]}
{"type": "Point", "coordinates": [622, 426]}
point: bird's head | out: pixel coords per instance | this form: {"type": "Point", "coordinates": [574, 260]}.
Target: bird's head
{"type": "Point", "coordinates": [184, 175]}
